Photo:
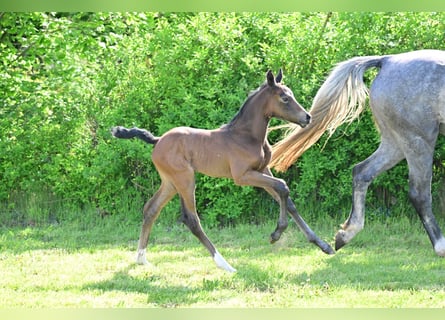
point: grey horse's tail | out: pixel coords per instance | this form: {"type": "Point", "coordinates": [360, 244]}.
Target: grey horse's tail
{"type": "Point", "coordinates": [124, 133]}
{"type": "Point", "coordinates": [340, 99]}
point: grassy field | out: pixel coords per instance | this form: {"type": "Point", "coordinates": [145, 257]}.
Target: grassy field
{"type": "Point", "coordinates": [92, 265]}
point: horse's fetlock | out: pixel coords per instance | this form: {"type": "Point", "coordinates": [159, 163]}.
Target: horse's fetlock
{"type": "Point", "coordinates": [439, 247]}
{"type": "Point", "coordinates": [282, 224]}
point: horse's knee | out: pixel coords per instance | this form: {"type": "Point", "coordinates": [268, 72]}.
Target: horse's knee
{"type": "Point", "coordinates": [282, 189]}
{"type": "Point", "coordinates": [360, 176]}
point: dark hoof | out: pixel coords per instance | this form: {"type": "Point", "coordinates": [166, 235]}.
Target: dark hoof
{"type": "Point", "coordinates": [274, 237]}
{"type": "Point", "coordinates": [339, 241]}
{"type": "Point", "coordinates": [327, 249]}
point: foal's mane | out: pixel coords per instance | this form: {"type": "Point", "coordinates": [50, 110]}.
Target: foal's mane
{"type": "Point", "coordinates": [246, 102]}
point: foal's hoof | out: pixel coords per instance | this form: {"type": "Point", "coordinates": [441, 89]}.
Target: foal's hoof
{"type": "Point", "coordinates": [326, 248]}
{"type": "Point", "coordinates": [141, 258]}
{"type": "Point", "coordinates": [274, 237]}
{"type": "Point", "coordinates": [222, 263]}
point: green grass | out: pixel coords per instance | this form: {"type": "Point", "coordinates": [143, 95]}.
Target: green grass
{"type": "Point", "coordinates": [389, 264]}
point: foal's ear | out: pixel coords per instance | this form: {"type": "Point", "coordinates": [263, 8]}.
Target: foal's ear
{"type": "Point", "coordinates": [270, 78]}
{"type": "Point", "coordinates": [279, 76]}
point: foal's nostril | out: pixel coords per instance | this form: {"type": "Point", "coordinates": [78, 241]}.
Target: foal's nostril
{"type": "Point", "coordinates": [304, 122]}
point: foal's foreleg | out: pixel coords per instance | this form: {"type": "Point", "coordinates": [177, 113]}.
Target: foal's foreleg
{"type": "Point", "coordinates": [290, 207]}
{"type": "Point", "coordinates": [302, 225]}
{"type": "Point", "coordinates": [277, 188]}
{"type": "Point", "coordinates": [309, 234]}
{"type": "Point", "coordinates": [282, 219]}
{"type": "Point", "coordinates": [151, 211]}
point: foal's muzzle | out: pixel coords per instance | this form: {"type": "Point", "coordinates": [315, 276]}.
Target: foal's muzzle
{"type": "Point", "coordinates": [305, 122]}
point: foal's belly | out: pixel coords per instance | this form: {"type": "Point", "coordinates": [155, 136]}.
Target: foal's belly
{"type": "Point", "coordinates": [212, 164]}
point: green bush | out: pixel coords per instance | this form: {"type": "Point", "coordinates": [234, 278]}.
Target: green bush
{"type": "Point", "coordinates": [67, 78]}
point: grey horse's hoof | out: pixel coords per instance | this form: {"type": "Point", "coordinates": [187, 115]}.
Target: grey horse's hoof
{"type": "Point", "coordinates": [339, 240]}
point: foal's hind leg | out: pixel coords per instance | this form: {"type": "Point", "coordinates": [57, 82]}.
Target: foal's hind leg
{"type": "Point", "coordinates": [385, 157]}
{"type": "Point", "coordinates": [185, 184]}
{"type": "Point", "coordinates": [151, 211]}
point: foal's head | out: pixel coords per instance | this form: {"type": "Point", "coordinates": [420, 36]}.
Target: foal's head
{"type": "Point", "coordinates": [282, 103]}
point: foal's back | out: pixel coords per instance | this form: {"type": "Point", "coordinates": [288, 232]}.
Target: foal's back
{"type": "Point", "coordinates": [192, 149]}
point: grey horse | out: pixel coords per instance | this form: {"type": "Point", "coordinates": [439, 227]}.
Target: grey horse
{"type": "Point", "coordinates": [407, 99]}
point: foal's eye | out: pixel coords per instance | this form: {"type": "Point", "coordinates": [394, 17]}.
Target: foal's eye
{"type": "Point", "coordinates": [284, 98]}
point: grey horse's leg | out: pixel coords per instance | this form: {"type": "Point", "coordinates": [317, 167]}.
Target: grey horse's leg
{"type": "Point", "coordinates": [420, 160]}
{"type": "Point", "coordinates": [385, 157]}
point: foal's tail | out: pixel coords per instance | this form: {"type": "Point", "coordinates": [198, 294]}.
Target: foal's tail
{"type": "Point", "coordinates": [124, 133]}
{"type": "Point", "coordinates": [340, 99]}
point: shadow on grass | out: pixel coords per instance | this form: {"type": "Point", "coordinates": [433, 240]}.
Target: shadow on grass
{"type": "Point", "coordinates": [356, 271]}
{"type": "Point", "coordinates": [416, 269]}
{"type": "Point", "coordinates": [158, 292]}
{"type": "Point", "coordinates": [110, 232]}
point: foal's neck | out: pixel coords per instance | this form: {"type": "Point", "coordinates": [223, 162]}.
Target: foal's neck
{"type": "Point", "coordinates": [251, 120]}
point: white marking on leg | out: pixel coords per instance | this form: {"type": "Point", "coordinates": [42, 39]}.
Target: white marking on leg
{"type": "Point", "coordinates": [141, 257]}
{"type": "Point", "coordinates": [439, 247]}
{"type": "Point", "coordinates": [222, 263]}
{"type": "Point", "coordinates": [350, 232]}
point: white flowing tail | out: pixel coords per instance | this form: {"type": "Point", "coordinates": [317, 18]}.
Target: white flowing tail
{"type": "Point", "coordinates": [340, 99]}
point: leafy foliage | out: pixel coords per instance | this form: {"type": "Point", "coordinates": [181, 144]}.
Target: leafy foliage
{"type": "Point", "coordinates": [68, 77]}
